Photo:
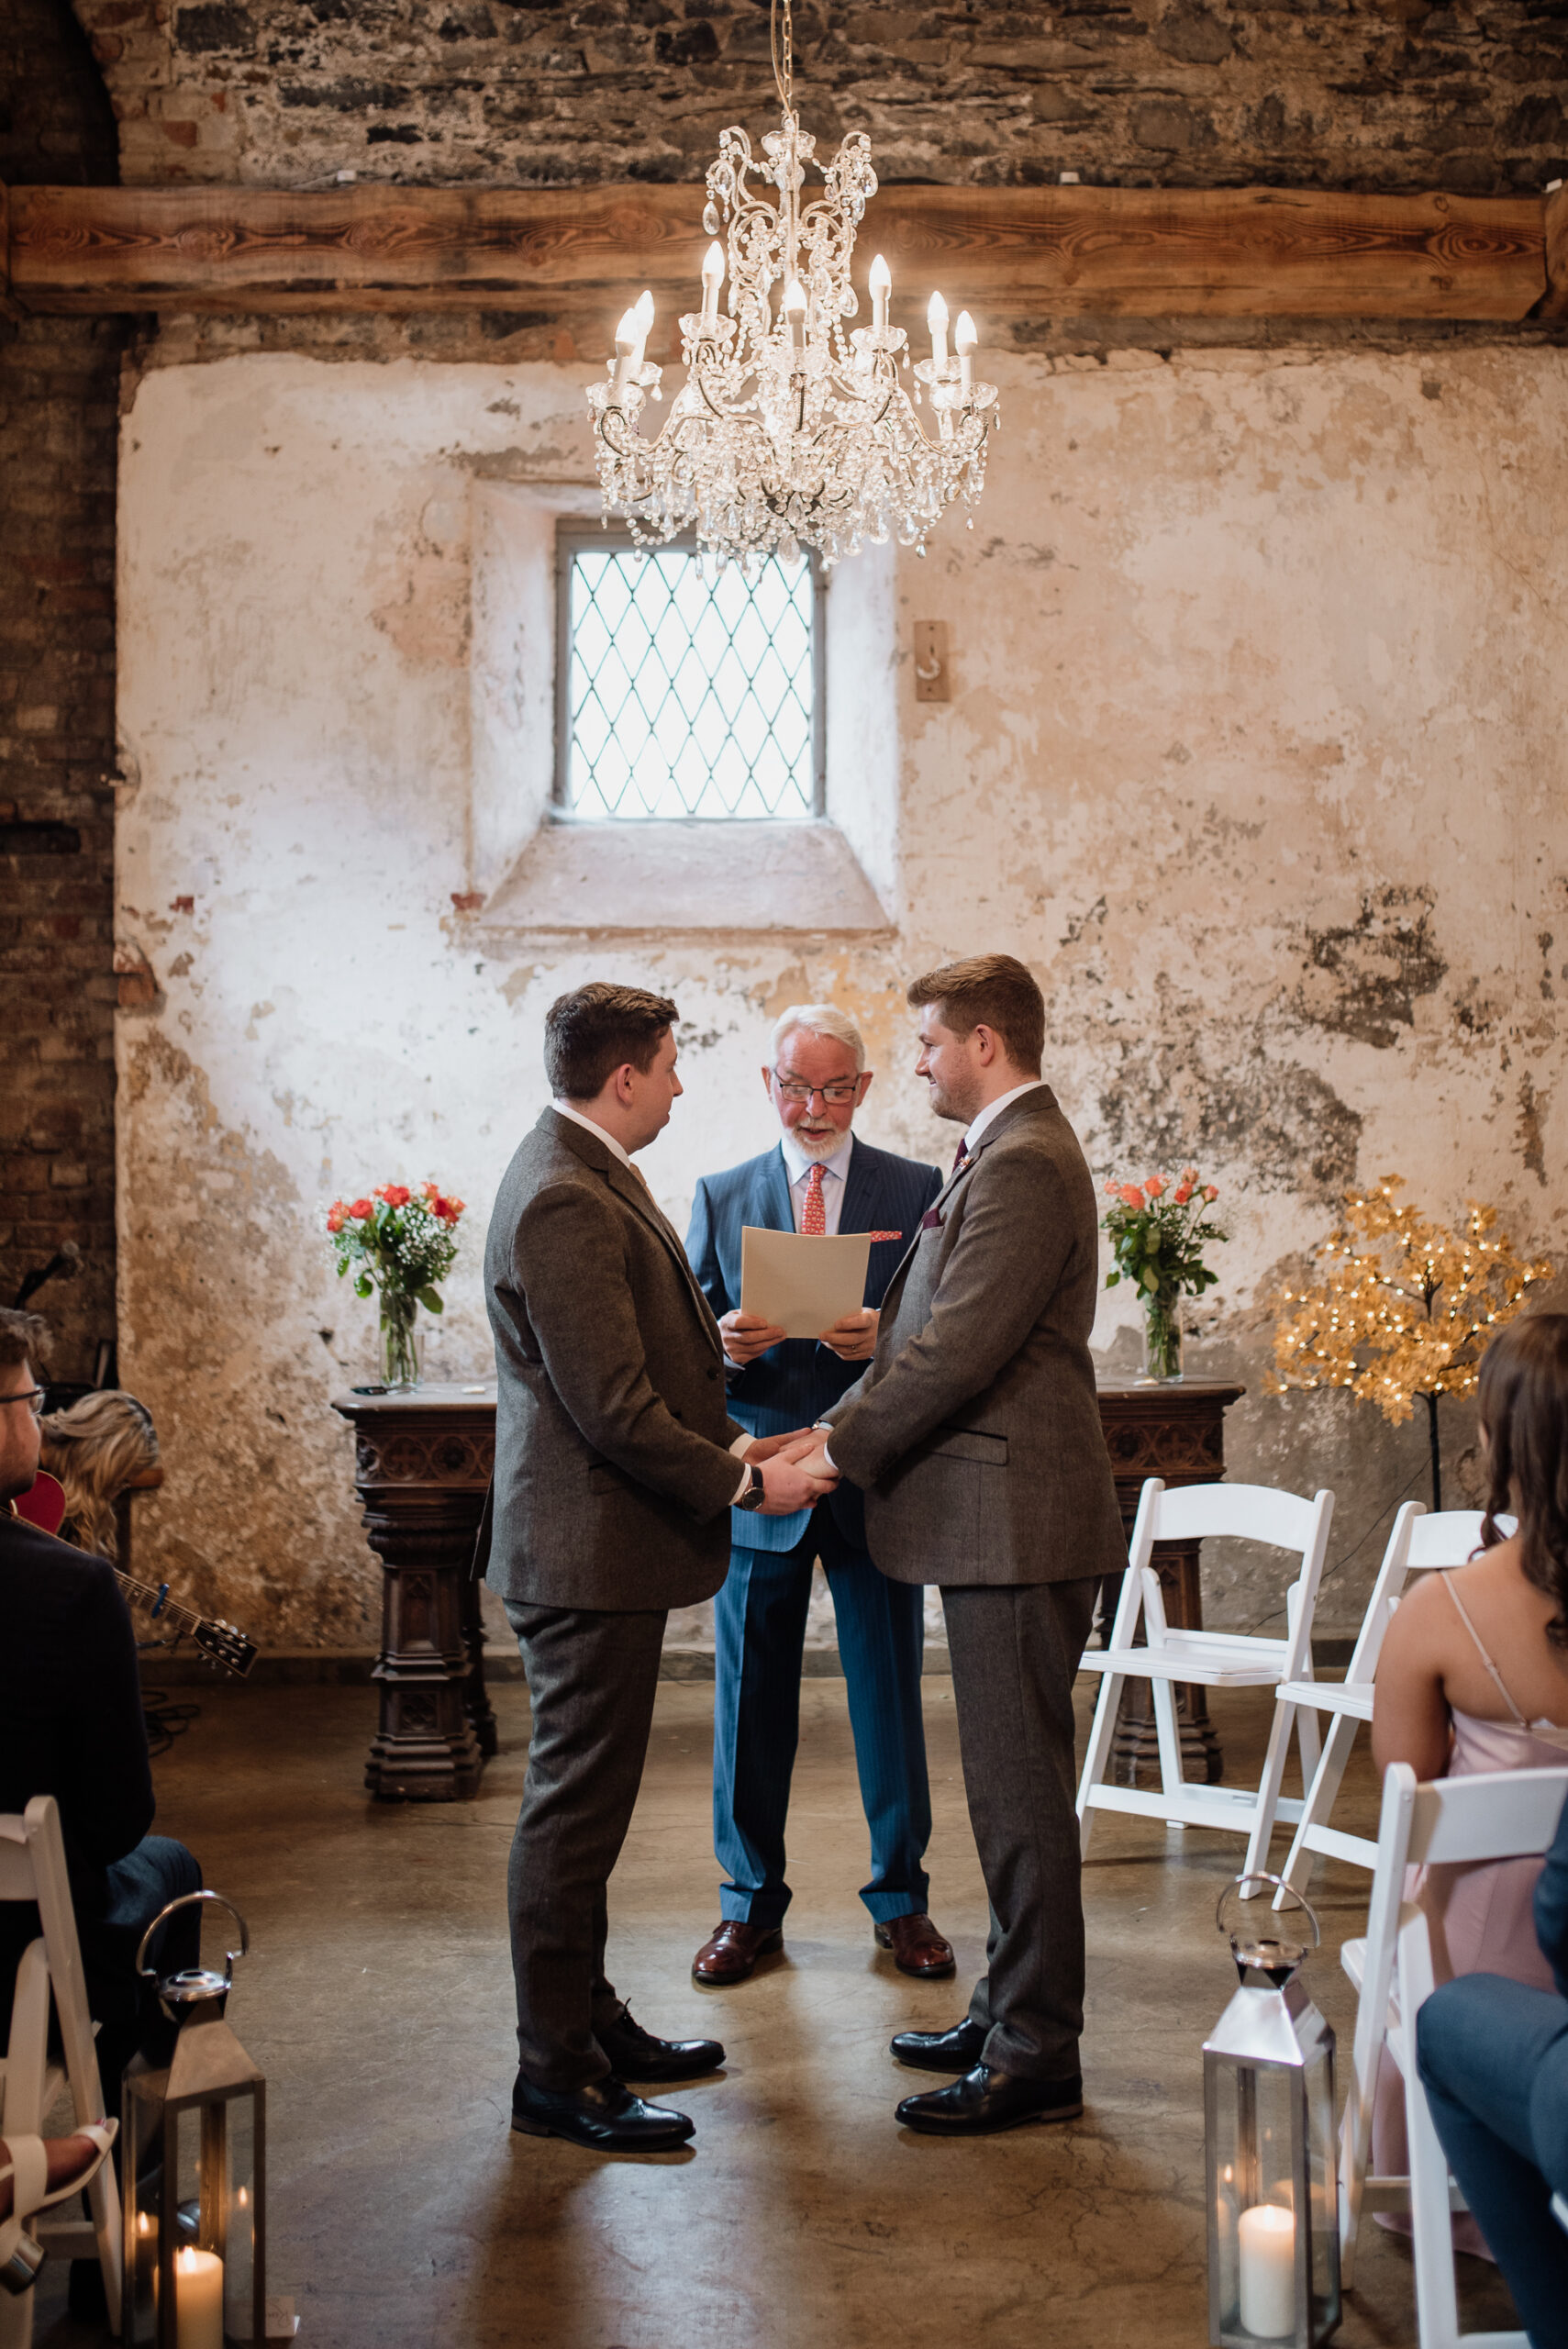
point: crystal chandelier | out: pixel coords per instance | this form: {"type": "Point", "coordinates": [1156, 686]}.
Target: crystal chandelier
{"type": "Point", "coordinates": [786, 432]}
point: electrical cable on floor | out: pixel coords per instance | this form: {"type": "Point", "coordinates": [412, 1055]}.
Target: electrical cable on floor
{"type": "Point", "coordinates": [165, 1719]}
{"type": "Point", "coordinates": [1340, 1563]}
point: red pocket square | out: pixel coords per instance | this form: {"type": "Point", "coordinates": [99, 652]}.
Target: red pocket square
{"type": "Point", "coordinates": [884, 1235]}
{"type": "Point", "coordinates": [932, 1221]}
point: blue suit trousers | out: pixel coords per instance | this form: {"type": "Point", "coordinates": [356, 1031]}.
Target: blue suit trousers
{"type": "Point", "coordinates": [1493, 2056]}
{"type": "Point", "coordinates": [760, 1618]}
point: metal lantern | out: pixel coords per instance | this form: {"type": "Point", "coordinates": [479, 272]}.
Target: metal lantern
{"type": "Point", "coordinates": [195, 2168]}
{"type": "Point", "coordinates": [1267, 2083]}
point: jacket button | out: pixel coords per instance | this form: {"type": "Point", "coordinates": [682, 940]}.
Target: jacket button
{"type": "Point", "coordinates": [713, 1374]}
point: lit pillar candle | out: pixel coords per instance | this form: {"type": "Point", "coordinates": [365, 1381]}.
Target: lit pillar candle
{"type": "Point", "coordinates": [1266, 2257]}
{"type": "Point", "coordinates": [937, 320]}
{"type": "Point", "coordinates": [963, 341]}
{"type": "Point", "coordinates": [198, 2298]}
{"type": "Point", "coordinates": [712, 279]}
{"type": "Point", "coordinates": [795, 313]}
{"type": "Point", "coordinates": [881, 287]}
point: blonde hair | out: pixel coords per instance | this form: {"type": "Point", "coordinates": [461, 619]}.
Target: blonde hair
{"type": "Point", "coordinates": [818, 1020]}
{"type": "Point", "coordinates": [94, 1448]}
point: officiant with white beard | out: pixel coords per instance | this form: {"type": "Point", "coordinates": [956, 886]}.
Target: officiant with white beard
{"type": "Point", "coordinates": [817, 1178]}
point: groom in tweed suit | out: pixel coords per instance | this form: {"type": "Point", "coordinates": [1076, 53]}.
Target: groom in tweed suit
{"type": "Point", "coordinates": [975, 1437]}
{"type": "Point", "coordinates": [616, 1465]}
{"type": "Point", "coordinates": [817, 1176]}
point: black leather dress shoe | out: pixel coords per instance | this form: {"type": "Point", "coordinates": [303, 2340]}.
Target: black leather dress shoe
{"type": "Point", "coordinates": [636, 2054]}
{"type": "Point", "coordinates": [985, 2100]}
{"type": "Point", "coordinates": [603, 2116]}
{"type": "Point", "coordinates": [958, 2050]}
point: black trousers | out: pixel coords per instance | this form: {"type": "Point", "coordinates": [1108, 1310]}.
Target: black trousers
{"type": "Point", "coordinates": [1014, 1649]}
{"type": "Point", "coordinates": [591, 1679]}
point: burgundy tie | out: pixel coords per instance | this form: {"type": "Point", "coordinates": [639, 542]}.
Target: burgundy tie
{"type": "Point", "coordinates": [960, 1154]}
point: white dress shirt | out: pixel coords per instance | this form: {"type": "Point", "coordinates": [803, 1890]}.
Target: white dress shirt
{"type": "Point", "coordinates": [743, 1441]}
{"type": "Point", "coordinates": [835, 1175]}
{"type": "Point", "coordinates": [994, 1109]}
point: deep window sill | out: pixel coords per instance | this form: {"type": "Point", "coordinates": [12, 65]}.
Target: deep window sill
{"type": "Point", "coordinates": [800, 877]}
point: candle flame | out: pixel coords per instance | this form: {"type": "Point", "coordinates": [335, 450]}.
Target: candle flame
{"type": "Point", "coordinates": [881, 276]}
{"type": "Point", "coordinates": [627, 334]}
{"type": "Point", "coordinates": [642, 309]}
{"type": "Point", "coordinates": [963, 334]}
{"type": "Point", "coordinates": [795, 300]}
{"type": "Point", "coordinates": [713, 264]}
{"type": "Point", "coordinates": [936, 315]}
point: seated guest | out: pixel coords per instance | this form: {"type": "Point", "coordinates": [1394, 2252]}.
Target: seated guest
{"type": "Point", "coordinates": [94, 1450]}
{"type": "Point", "coordinates": [818, 1177]}
{"type": "Point", "coordinates": [1473, 1677]}
{"type": "Point", "coordinates": [1494, 2061]}
{"type": "Point", "coordinates": [70, 1726]}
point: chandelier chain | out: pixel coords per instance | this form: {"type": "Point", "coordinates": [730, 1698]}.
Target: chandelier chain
{"type": "Point", "coordinates": [783, 53]}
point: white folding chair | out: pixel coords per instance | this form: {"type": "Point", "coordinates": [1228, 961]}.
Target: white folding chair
{"type": "Point", "coordinates": [1208, 1659]}
{"type": "Point", "coordinates": [32, 1868]}
{"type": "Point", "coordinates": [1494, 1815]}
{"type": "Point", "coordinates": [1419, 1544]}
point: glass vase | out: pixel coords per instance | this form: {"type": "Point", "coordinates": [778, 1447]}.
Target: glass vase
{"type": "Point", "coordinates": [1162, 1339]}
{"type": "Point", "coordinates": [399, 1362]}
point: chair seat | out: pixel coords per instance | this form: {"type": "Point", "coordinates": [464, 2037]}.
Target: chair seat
{"type": "Point", "coordinates": [1201, 1656]}
{"type": "Point", "coordinates": [1329, 1697]}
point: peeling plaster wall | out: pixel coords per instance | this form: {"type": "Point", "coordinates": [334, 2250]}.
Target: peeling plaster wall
{"type": "Point", "coordinates": [1255, 755]}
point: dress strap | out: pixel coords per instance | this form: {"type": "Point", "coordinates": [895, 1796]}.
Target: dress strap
{"type": "Point", "coordinates": [1497, 1682]}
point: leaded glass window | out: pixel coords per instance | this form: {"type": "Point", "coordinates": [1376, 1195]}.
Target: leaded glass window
{"type": "Point", "coordinates": [681, 690]}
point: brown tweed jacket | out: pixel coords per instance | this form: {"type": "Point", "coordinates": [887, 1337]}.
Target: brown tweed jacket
{"type": "Point", "coordinates": [613, 1479]}
{"type": "Point", "coordinates": [975, 1432]}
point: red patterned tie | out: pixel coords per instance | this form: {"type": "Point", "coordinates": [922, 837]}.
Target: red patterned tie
{"type": "Point", "coordinates": [813, 1214]}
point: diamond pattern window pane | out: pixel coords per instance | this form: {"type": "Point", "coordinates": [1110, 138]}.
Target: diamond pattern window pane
{"type": "Point", "coordinates": [686, 695]}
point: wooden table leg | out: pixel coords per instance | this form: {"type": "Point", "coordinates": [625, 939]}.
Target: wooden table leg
{"type": "Point", "coordinates": [426, 1749]}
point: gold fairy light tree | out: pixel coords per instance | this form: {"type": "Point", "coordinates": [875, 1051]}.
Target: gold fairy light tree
{"type": "Point", "coordinates": [1403, 1309]}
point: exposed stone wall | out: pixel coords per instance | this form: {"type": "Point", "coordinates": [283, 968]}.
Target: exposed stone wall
{"type": "Point", "coordinates": [1390, 93]}
{"type": "Point", "coordinates": [59, 381]}
{"type": "Point", "coordinates": [1254, 752]}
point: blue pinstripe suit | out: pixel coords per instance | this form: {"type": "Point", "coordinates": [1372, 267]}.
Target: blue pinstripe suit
{"type": "Point", "coordinates": [760, 1611]}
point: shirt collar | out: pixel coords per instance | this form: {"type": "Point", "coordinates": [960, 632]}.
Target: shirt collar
{"type": "Point", "coordinates": [994, 1109]}
{"type": "Point", "coordinates": [564, 1110]}
{"type": "Point", "coordinates": [796, 1160]}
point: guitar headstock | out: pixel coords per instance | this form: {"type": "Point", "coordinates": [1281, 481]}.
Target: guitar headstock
{"type": "Point", "coordinates": [221, 1644]}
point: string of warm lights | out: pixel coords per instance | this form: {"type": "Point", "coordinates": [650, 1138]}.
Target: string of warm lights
{"type": "Point", "coordinates": [1405, 1307]}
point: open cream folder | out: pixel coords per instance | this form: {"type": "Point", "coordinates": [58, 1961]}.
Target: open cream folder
{"type": "Point", "coordinates": [802, 1285]}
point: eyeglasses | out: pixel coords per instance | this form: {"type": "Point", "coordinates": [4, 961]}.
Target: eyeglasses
{"type": "Point", "coordinates": [790, 1088]}
{"type": "Point", "coordinates": [33, 1397]}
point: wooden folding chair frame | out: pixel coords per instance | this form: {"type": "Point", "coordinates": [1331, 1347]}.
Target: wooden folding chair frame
{"type": "Point", "coordinates": [32, 1868]}
{"type": "Point", "coordinates": [1213, 1659]}
{"type": "Point", "coordinates": [1493, 1815]}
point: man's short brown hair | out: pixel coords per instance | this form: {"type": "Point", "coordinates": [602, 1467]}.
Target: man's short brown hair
{"type": "Point", "coordinates": [23, 1337]}
{"type": "Point", "coordinates": [596, 1029]}
{"type": "Point", "coordinates": [988, 991]}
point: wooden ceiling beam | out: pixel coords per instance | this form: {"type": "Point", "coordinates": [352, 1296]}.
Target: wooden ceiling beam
{"type": "Point", "coordinates": [1011, 255]}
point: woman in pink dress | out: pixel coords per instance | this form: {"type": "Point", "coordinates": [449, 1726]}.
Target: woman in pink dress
{"type": "Point", "coordinates": [1473, 1677]}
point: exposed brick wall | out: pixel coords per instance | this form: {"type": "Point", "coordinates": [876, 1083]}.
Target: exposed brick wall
{"type": "Point", "coordinates": [59, 381]}
{"type": "Point", "coordinates": [1354, 94]}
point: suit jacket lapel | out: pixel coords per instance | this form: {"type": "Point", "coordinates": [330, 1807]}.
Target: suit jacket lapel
{"type": "Point", "coordinates": [856, 1213]}
{"type": "Point", "coordinates": [1042, 1097]}
{"type": "Point", "coordinates": [627, 1185]}
{"type": "Point", "coordinates": [777, 1207]}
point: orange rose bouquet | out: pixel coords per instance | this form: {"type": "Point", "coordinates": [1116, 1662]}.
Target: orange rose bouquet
{"type": "Point", "coordinates": [1159, 1230]}
{"type": "Point", "coordinates": [397, 1243]}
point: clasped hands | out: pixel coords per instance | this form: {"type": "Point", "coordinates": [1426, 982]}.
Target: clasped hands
{"type": "Point", "coordinates": [794, 1470]}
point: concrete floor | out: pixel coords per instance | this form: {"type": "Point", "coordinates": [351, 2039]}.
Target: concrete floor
{"type": "Point", "coordinates": [405, 2216]}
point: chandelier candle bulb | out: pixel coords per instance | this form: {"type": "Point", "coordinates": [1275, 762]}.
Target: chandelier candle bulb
{"type": "Point", "coordinates": [712, 279]}
{"type": "Point", "coordinates": [963, 341]}
{"type": "Point", "coordinates": [795, 313]}
{"type": "Point", "coordinates": [937, 320]}
{"type": "Point", "coordinates": [881, 288]}
{"type": "Point", "coordinates": [626, 352]}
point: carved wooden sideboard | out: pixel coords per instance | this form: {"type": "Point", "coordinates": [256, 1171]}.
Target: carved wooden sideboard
{"type": "Point", "coordinates": [1177, 1433]}
{"type": "Point", "coordinates": [423, 1460]}
{"type": "Point", "coordinates": [422, 1463]}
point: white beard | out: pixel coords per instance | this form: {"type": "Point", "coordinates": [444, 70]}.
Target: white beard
{"type": "Point", "coordinates": [817, 1146]}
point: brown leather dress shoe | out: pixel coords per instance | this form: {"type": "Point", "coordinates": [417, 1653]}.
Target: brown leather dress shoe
{"type": "Point", "coordinates": [917, 1947]}
{"type": "Point", "coordinates": [728, 1954]}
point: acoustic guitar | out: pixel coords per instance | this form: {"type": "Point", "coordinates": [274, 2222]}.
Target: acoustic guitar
{"type": "Point", "coordinates": [217, 1641]}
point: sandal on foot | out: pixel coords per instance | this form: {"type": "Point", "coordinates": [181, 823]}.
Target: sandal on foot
{"type": "Point", "coordinates": [21, 2256]}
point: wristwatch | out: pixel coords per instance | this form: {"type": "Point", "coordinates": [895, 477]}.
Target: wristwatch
{"type": "Point", "coordinates": [756, 1492]}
